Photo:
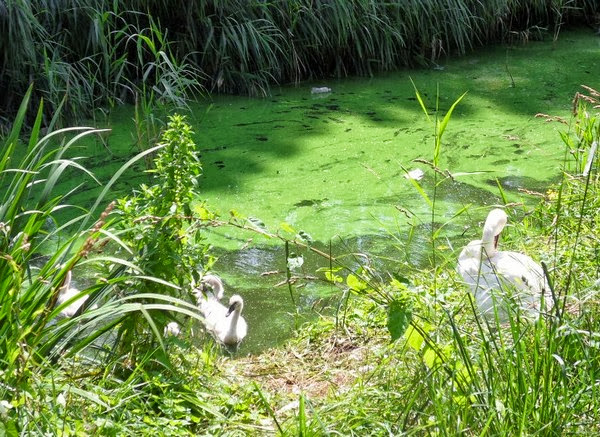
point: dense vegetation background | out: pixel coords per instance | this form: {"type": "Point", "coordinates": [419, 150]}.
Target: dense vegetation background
{"type": "Point", "coordinates": [82, 54]}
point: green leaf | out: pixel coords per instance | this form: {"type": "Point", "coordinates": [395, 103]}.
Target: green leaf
{"type": "Point", "coordinates": [420, 100]}
{"type": "Point", "coordinates": [9, 429]}
{"type": "Point", "coordinates": [399, 316]}
{"type": "Point", "coordinates": [444, 123]}
{"type": "Point", "coordinates": [287, 228]}
{"type": "Point", "coordinates": [414, 338]}
{"type": "Point", "coordinates": [355, 283]}
{"type": "Point", "coordinates": [203, 213]}
{"type": "Point", "coordinates": [331, 277]}
{"type": "Point", "coordinates": [429, 358]}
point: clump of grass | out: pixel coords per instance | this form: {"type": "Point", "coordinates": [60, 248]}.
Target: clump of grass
{"type": "Point", "coordinates": [42, 354]}
{"type": "Point", "coordinates": [97, 53]}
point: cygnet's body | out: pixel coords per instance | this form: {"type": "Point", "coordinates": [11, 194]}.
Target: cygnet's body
{"type": "Point", "coordinates": [232, 328]}
{"type": "Point", "coordinates": [172, 329]}
{"type": "Point", "coordinates": [225, 323]}
{"type": "Point", "coordinates": [494, 275]}
{"type": "Point", "coordinates": [67, 292]}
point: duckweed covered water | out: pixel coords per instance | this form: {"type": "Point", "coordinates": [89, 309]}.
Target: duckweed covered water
{"type": "Point", "coordinates": [331, 164]}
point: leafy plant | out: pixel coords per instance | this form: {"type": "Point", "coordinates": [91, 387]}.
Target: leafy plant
{"type": "Point", "coordinates": [162, 224]}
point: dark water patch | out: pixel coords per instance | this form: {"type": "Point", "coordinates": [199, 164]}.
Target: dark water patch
{"type": "Point", "coordinates": [268, 122]}
{"type": "Point", "coordinates": [213, 149]}
{"type": "Point", "coordinates": [310, 202]}
{"type": "Point", "coordinates": [521, 182]}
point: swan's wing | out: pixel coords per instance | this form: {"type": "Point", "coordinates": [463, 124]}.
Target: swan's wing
{"type": "Point", "coordinates": [477, 274]}
{"type": "Point", "coordinates": [520, 270]}
{"type": "Point", "coordinates": [526, 276]}
{"type": "Point", "coordinates": [213, 312]}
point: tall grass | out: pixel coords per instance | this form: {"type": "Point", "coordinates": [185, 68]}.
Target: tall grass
{"type": "Point", "coordinates": [94, 53]}
{"type": "Point", "coordinates": [124, 292]}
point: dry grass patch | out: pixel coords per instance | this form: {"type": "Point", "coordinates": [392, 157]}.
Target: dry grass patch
{"type": "Point", "coordinates": [320, 362]}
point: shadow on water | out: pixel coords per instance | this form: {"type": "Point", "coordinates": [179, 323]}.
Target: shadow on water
{"type": "Point", "coordinates": [331, 165]}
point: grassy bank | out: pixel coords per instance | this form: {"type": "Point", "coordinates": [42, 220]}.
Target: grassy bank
{"type": "Point", "coordinates": [90, 54]}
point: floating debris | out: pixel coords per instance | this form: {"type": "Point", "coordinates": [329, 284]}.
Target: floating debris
{"type": "Point", "coordinates": [320, 90]}
{"type": "Point", "coordinates": [415, 174]}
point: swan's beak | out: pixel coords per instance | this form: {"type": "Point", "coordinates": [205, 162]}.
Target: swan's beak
{"type": "Point", "coordinates": [230, 310]}
{"type": "Point", "coordinates": [496, 237]}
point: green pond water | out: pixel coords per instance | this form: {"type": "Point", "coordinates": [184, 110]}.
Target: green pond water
{"type": "Point", "coordinates": [331, 164]}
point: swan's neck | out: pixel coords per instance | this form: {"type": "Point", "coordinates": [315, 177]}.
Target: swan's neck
{"type": "Point", "coordinates": [235, 316]}
{"type": "Point", "coordinates": [489, 243]}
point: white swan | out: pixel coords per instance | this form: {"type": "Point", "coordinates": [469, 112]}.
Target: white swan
{"type": "Point", "coordinates": [233, 328]}
{"type": "Point", "coordinates": [226, 324]}
{"type": "Point", "coordinates": [209, 293]}
{"type": "Point", "coordinates": [495, 276]}
{"type": "Point", "coordinates": [213, 284]}
{"type": "Point", "coordinates": [172, 329]}
{"type": "Point", "coordinates": [65, 293]}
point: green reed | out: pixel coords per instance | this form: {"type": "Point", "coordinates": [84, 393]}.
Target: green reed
{"type": "Point", "coordinates": [96, 53]}
{"type": "Point", "coordinates": [37, 252]}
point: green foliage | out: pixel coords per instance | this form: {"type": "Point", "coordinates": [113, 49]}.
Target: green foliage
{"type": "Point", "coordinates": [29, 288]}
{"type": "Point", "coordinates": [36, 253]}
{"type": "Point", "coordinates": [161, 225]}
{"type": "Point", "coordinates": [160, 221]}
{"type": "Point", "coordinates": [97, 52]}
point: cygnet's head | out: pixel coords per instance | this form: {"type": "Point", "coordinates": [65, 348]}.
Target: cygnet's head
{"type": "Point", "coordinates": [236, 303]}
{"type": "Point", "coordinates": [495, 222]}
{"type": "Point", "coordinates": [212, 284]}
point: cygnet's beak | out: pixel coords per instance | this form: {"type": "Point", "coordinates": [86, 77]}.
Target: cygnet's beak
{"type": "Point", "coordinates": [496, 238]}
{"type": "Point", "coordinates": [231, 309]}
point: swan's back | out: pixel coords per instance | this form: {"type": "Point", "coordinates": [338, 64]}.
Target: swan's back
{"type": "Point", "coordinates": [503, 277]}
{"type": "Point", "coordinates": [212, 311]}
